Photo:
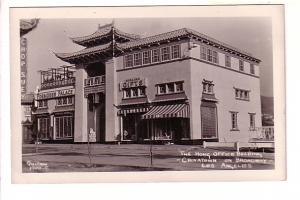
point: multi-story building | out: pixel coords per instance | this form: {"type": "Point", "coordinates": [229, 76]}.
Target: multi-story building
{"type": "Point", "coordinates": [55, 102]}
{"type": "Point", "coordinates": [181, 86]}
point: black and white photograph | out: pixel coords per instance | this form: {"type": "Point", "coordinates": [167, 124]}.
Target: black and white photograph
{"type": "Point", "coordinates": [146, 94]}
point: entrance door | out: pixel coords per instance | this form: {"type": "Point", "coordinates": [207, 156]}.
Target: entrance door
{"type": "Point", "coordinates": [209, 120]}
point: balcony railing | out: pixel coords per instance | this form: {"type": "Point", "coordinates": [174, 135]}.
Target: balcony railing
{"type": "Point", "coordinates": [94, 81]}
{"type": "Point", "coordinates": [265, 133]}
{"type": "Point", "coordinates": [58, 83]}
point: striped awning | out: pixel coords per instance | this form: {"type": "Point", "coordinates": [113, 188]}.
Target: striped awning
{"type": "Point", "coordinates": [168, 111]}
{"type": "Point", "coordinates": [126, 111]}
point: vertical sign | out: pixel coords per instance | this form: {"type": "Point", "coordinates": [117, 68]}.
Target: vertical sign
{"type": "Point", "coordinates": [23, 53]}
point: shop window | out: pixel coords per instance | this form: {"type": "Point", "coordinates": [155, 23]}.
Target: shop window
{"type": "Point", "coordinates": [234, 120]}
{"type": "Point", "coordinates": [175, 51]}
{"type": "Point", "coordinates": [137, 59]}
{"type": "Point", "coordinates": [146, 57]}
{"type": "Point", "coordinates": [227, 61]}
{"type": "Point", "coordinates": [155, 55]}
{"type": "Point", "coordinates": [252, 69]}
{"type": "Point", "coordinates": [64, 126]}
{"type": "Point", "coordinates": [252, 121]}
{"type": "Point", "coordinates": [165, 53]}
{"type": "Point", "coordinates": [128, 61]}
{"type": "Point", "coordinates": [208, 87]}
{"type": "Point", "coordinates": [242, 94]}
{"type": "Point", "coordinates": [241, 65]}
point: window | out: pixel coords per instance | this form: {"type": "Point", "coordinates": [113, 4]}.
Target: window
{"type": "Point", "coordinates": [227, 61]}
{"type": "Point", "coordinates": [137, 59]}
{"type": "Point", "coordinates": [134, 92]}
{"type": "Point", "coordinates": [64, 101]}
{"type": "Point", "coordinates": [241, 65]}
{"type": "Point", "coordinates": [64, 126]}
{"type": "Point", "coordinates": [170, 87]}
{"type": "Point", "coordinates": [179, 86]}
{"type": "Point", "coordinates": [175, 52]}
{"type": "Point", "coordinates": [43, 104]}
{"type": "Point", "coordinates": [165, 53]}
{"type": "Point", "coordinates": [142, 91]}
{"type": "Point", "coordinates": [162, 89]}
{"type": "Point", "coordinates": [242, 94]}
{"type": "Point", "coordinates": [127, 93]}
{"type": "Point", "coordinates": [252, 121]}
{"type": "Point", "coordinates": [129, 61]}
{"type": "Point", "coordinates": [203, 53]}
{"type": "Point", "coordinates": [44, 127]}
{"type": "Point", "coordinates": [146, 57]}
{"type": "Point", "coordinates": [155, 55]}
{"type": "Point", "coordinates": [209, 54]}
{"type": "Point", "coordinates": [234, 125]}
{"type": "Point", "coordinates": [208, 87]}
{"type": "Point", "coordinates": [215, 57]}
{"type": "Point", "coordinates": [252, 70]}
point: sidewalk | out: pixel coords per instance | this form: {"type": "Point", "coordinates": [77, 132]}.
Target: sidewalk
{"type": "Point", "coordinates": [136, 157]}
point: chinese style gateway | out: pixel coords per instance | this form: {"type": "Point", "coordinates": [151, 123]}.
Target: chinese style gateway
{"type": "Point", "coordinates": [180, 86]}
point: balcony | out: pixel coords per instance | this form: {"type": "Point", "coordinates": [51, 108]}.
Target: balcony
{"type": "Point", "coordinates": [57, 83]}
{"type": "Point", "coordinates": [94, 85]}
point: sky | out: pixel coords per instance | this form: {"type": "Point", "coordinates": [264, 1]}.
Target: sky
{"type": "Point", "coordinates": [251, 34]}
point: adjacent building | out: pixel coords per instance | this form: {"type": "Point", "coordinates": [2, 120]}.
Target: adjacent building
{"type": "Point", "coordinates": [181, 86]}
{"type": "Point", "coordinates": [55, 105]}
{"type": "Point", "coordinates": [27, 105]}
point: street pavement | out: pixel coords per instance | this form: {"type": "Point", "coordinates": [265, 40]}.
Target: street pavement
{"type": "Point", "coordinates": [136, 157]}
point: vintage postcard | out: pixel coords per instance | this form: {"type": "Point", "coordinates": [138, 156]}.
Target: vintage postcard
{"type": "Point", "coordinates": [191, 93]}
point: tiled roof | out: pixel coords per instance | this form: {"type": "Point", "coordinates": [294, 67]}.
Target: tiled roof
{"type": "Point", "coordinates": [27, 98]}
{"type": "Point", "coordinates": [103, 31]}
{"type": "Point", "coordinates": [154, 39]}
{"type": "Point", "coordinates": [184, 32]}
{"type": "Point", "coordinates": [84, 51]}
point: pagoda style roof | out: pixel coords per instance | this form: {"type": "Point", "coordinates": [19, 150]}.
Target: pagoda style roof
{"type": "Point", "coordinates": [104, 34]}
{"type": "Point", "coordinates": [146, 42]}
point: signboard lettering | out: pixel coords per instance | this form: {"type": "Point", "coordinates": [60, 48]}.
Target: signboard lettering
{"type": "Point", "coordinates": [133, 82]}
{"type": "Point", "coordinates": [55, 94]}
{"type": "Point", "coordinates": [23, 63]}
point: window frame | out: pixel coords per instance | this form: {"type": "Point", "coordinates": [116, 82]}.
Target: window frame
{"type": "Point", "coordinates": [165, 56]}
{"type": "Point", "coordinates": [227, 61]}
{"type": "Point", "coordinates": [173, 52]}
{"type": "Point", "coordinates": [234, 121]}
{"type": "Point", "coordinates": [148, 53]}
{"type": "Point", "coordinates": [252, 125]}
{"type": "Point", "coordinates": [241, 65]}
{"type": "Point", "coordinates": [137, 59]}
{"type": "Point", "coordinates": [252, 68]}
{"type": "Point", "coordinates": [127, 60]}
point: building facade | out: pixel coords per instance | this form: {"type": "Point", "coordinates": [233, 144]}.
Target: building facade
{"type": "Point", "coordinates": [55, 105]}
{"type": "Point", "coordinates": [180, 86]}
